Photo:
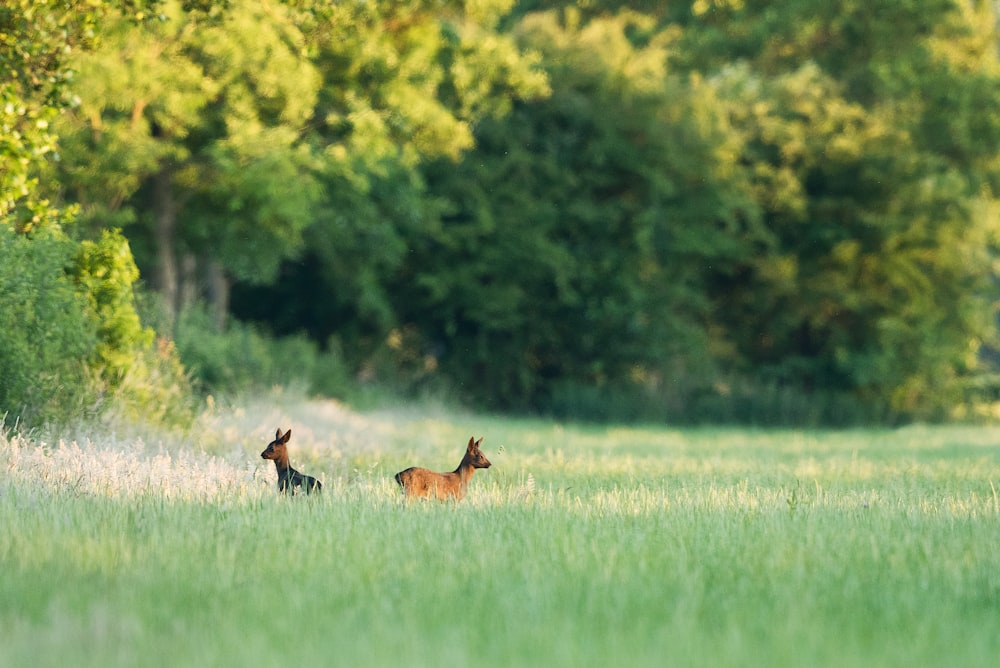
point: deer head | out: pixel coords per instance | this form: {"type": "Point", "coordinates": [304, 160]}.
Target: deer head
{"type": "Point", "coordinates": [474, 456]}
{"type": "Point", "coordinates": [277, 449]}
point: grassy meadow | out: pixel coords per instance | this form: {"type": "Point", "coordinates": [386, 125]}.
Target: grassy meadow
{"type": "Point", "coordinates": [581, 546]}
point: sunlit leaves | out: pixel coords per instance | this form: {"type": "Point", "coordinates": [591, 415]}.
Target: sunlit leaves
{"type": "Point", "coordinates": [871, 282]}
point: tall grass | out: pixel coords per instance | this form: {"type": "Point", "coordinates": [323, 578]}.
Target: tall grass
{"type": "Point", "coordinates": [581, 546]}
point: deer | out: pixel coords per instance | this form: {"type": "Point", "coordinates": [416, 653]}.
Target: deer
{"type": "Point", "coordinates": [277, 451]}
{"type": "Point", "coordinates": [420, 482]}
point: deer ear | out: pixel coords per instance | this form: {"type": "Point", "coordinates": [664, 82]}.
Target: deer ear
{"type": "Point", "coordinates": [277, 434]}
{"type": "Point", "coordinates": [479, 442]}
{"type": "Point", "coordinates": [288, 435]}
{"type": "Point", "coordinates": [472, 443]}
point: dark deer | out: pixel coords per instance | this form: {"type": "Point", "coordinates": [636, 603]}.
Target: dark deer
{"type": "Point", "coordinates": [417, 482]}
{"type": "Point", "coordinates": [277, 451]}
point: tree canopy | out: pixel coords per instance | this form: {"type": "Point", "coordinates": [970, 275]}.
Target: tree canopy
{"type": "Point", "coordinates": [536, 204]}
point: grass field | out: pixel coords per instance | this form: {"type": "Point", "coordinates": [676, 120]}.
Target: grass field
{"type": "Point", "coordinates": [581, 546]}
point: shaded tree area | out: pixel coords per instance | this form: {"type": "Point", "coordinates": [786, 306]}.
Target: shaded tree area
{"type": "Point", "coordinates": [576, 239]}
{"type": "Point", "coordinates": [874, 168]}
{"type": "Point", "coordinates": [718, 202]}
{"type": "Point", "coordinates": [691, 211]}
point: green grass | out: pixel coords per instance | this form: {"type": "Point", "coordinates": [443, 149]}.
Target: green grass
{"type": "Point", "coordinates": [580, 547]}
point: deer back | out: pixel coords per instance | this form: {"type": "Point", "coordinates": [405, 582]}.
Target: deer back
{"type": "Point", "coordinates": [420, 482]}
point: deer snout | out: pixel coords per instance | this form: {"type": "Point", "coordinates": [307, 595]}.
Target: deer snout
{"type": "Point", "coordinates": [263, 455]}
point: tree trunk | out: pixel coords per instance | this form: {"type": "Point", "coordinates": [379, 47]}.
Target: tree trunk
{"type": "Point", "coordinates": [189, 288]}
{"type": "Point", "coordinates": [165, 212]}
{"type": "Point", "coordinates": [218, 293]}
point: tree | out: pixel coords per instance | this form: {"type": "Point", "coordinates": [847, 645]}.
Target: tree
{"type": "Point", "coordinates": [194, 124]}
{"type": "Point", "coordinates": [576, 236]}
{"type": "Point", "coordinates": [877, 181]}
{"type": "Point", "coordinates": [216, 132]}
{"type": "Point", "coordinates": [404, 84]}
{"type": "Point", "coordinates": [34, 43]}
{"type": "Point", "coordinates": [70, 330]}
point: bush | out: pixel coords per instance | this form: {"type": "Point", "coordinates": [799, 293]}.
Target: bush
{"type": "Point", "coordinates": [738, 401]}
{"type": "Point", "coordinates": [242, 358]}
{"type": "Point", "coordinates": [154, 389]}
{"type": "Point", "coordinates": [46, 338]}
{"type": "Point", "coordinates": [71, 344]}
{"type": "Point", "coordinates": [105, 273]}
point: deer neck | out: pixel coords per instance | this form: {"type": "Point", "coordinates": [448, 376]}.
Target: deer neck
{"type": "Point", "coordinates": [465, 470]}
{"type": "Point", "coordinates": [281, 464]}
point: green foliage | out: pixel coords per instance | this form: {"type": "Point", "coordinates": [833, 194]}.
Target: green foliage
{"type": "Point", "coordinates": [72, 344]}
{"type": "Point", "coordinates": [72, 347]}
{"type": "Point", "coordinates": [226, 134]}
{"type": "Point", "coordinates": [404, 83]}
{"type": "Point", "coordinates": [879, 210]}
{"type": "Point", "coordinates": [783, 212]}
{"type": "Point", "coordinates": [46, 336]}
{"type": "Point", "coordinates": [37, 44]}
{"type": "Point", "coordinates": [139, 381]}
{"type": "Point", "coordinates": [105, 272]}
{"type": "Point", "coordinates": [242, 359]}
{"type": "Point", "coordinates": [252, 189]}
{"type": "Point", "coordinates": [154, 389]}
{"type": "Point", "coordinates": [741, 400]}
{"type": "Point", "coordinates": [573, 240]}
{"type": "Point", "coordinates": [33, 75]}
{"type": "Point", "coordinates": [700, 208]}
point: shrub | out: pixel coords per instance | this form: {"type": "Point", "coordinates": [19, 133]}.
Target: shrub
{"type": "Point", "coordinates": [105, 273]}
{"type": "Point", "coordinates": [155, 389]}
{"type": "Point", "coordinates": [736, 401]}
{"type": "Point", "coordinates": [46, 337]}
{"type": "Point", "coordinates": [241, 358]}
{"type": "Point", "coordinates": [72, 346]}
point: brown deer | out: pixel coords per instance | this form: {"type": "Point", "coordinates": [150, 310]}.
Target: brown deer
{"type": "Point", "coordinates": [277, 451]}
{"type": "Point", "coordinates": [417, 482]}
